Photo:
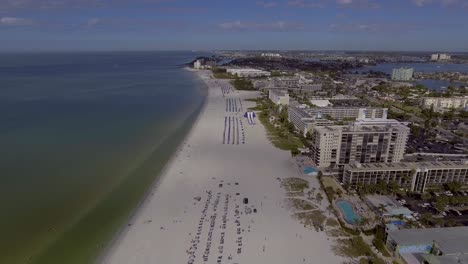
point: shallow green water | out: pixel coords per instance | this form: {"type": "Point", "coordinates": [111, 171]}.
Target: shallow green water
{"type": "Point", "coordinates": [82, 136]}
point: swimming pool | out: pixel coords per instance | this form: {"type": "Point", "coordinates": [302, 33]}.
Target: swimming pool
{"type": "Point", "coordinates": [348, 211]}
{"type": "Point", "coordinates": [310, 170]}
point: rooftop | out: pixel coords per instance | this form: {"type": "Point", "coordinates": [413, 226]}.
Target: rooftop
{"type": "Point", "coordinates": [391, 206]}
{"type": "Point", "coordinates": [431, 259]}
{"type": "Point", "coordinates": [451, 240]}
{"type": "Point", "coordinates": [377, 125]}
{"type": "Point", "coordinates": [279, 92]}
{"type": "Point", "coordinates": [407, 165]}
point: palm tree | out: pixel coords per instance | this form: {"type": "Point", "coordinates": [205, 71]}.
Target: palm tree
{"type": "Point", "coordinates": [426, 196]}
{"type": "Point", "coordinates": [381, 208]}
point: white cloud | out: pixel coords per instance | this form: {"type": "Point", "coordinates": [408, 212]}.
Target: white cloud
{"type": "Point", "coordinates": [358, 3]}
{"type": "Point", "coordinates": [15, 21]}
{"type": "Point", "coordinates": [376, 28]}
{"type": "Point", "coordinates": [444, 3]}
{"type": "Point", "coordinates": [268, 26]}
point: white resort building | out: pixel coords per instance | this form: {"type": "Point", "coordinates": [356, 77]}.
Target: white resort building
{"type": "Point", "coordinates": [279, 97]}
{"type": "Point", "coordinates": [363, 141]}
{"type": "Point", "coordinates": [247, 72]}
{"type": "Point", "coordinates": [413, 176]}
{"type": "Point", "coordinates": [441, 103]}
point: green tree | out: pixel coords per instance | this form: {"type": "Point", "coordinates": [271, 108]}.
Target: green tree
{"type": "Point", "coordinates": [439, 221]}
{"type": "Point", "coordinates": [454, 186]}
{"type": "Point", "coordinates": [451, 222]}
{"type": "Point", "coordinates": [416, 131]}
{"type": "Point", "coordinates": [294, 152]}
{"type": "Point", "coordinates": [426, 218]}
{"type": "Point", "coordinates": [426, 196]}
{"type": "Point", "coordinates": [339, 192]}
{"type": "Point", "coordinates": [290, 127]}
{"type": "Point", "coordinates": [283, 116]}
{"type": "Point", "coordinates": [440, 205]}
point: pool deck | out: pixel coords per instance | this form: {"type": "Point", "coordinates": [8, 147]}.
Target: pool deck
{"type": "Point", "coordinates": [360, 209]}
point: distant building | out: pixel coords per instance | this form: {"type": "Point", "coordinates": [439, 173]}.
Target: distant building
{"type": "Point", "coordinates": [445, 102]}
{"type": "Point", "coordinates": [211, 64]}
{"type": "Point", "coordinates": [320, 102]}
{"type": "Point", "coordinates": [296, 84]}
{"type": "Point", "coordinates": [362, 141]}
{"type": "Point", "coordinates": [310, 87]}
{"type": "Point", "coordinates": [303, 121]}
{"type": "Point", "coordinates": [387, 207]}
{"type": "Point", "coordinates": [447, 245]}
{"type": "Point", "coordinates": [400, 84]}
{"type": "Point", "coordinates": [305, 118]}
{"type": "Point", "coordinates": [279, 97]}
{"type": "Point", "coordinates": [285, 82]}
{"type": "Point", "coordinates": [440, 57]}
{"type": "Point", "coordinates": [414, 176]}
{"type": "Point", "coordinates": [271, 55]}
{"type": "Point", "coordinates": [247, 72]}
{"type": "Point", "coordinates": [402, 74]}
{"type": "Point", "coordinates": [260, 83]}
{"type": "Point", "coordinates": [197, 64]}
{"type": "Point", "coordinates": [340, 113]}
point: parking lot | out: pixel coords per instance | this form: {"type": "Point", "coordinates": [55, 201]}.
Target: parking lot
{"type": "Point", "coordinates": [421, 207]}
{"type": "Point", "coordinates": [421, 144]}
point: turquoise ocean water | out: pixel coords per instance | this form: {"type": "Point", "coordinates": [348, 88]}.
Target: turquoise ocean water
{"type": "Point", "coordinates": [82, 137]}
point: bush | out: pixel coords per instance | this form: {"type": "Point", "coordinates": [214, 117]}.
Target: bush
{"type": "Point", "coordinates": [243, 84]}
{"type": "Point", "coordinates": [294, 152]}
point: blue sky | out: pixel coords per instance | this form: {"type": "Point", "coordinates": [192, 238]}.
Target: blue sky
{"type": "Point", "coordinates": [428, 25]}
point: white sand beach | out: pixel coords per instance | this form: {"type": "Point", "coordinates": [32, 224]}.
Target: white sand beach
{"type": "Point", "coordinates": [196, 211]}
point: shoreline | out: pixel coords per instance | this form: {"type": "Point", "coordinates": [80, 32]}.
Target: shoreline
{"type": "Point", "coordinates": [119, 235]}
{"type": "Point", "coordinates": [221, 197]}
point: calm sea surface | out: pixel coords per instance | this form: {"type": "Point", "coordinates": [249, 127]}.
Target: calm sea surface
{"type": "Point", "coordinates": [82, 136]}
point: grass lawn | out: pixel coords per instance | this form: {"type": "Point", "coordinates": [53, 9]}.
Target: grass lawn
{"type": "Point", "coordinates": [407, 108]}
{"type": "Point", "coordinates": [295, 184]}
{"type": "Point", "coordinates": [222, 75]}
{"type": "Point", "coordinates": [312, 218]}
{"type": "Point", "coordinates": [355, 247]}
{"type": "Point", "coordinates": [243, 84]}
{"type": "Point", "coordinates": [281, 139]}
{"type": "Point", "coordinates": [337, 232]}
{"type": "Point", "coordinates": [330, 182]}
{"type": "Point", "coordinates": [332, 222]}
{"type": "Point", "coordinates": [299, 204]}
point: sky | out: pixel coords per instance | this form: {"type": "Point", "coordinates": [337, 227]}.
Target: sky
{"type": "Point", "coordinates": [394, 25]}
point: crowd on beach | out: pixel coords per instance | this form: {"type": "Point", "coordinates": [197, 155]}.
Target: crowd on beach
{"type": "Point", "coordinates": [216, 235]}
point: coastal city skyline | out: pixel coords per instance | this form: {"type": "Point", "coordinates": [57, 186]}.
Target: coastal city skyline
{"type": "Point", "coordinates": [372, 25]}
